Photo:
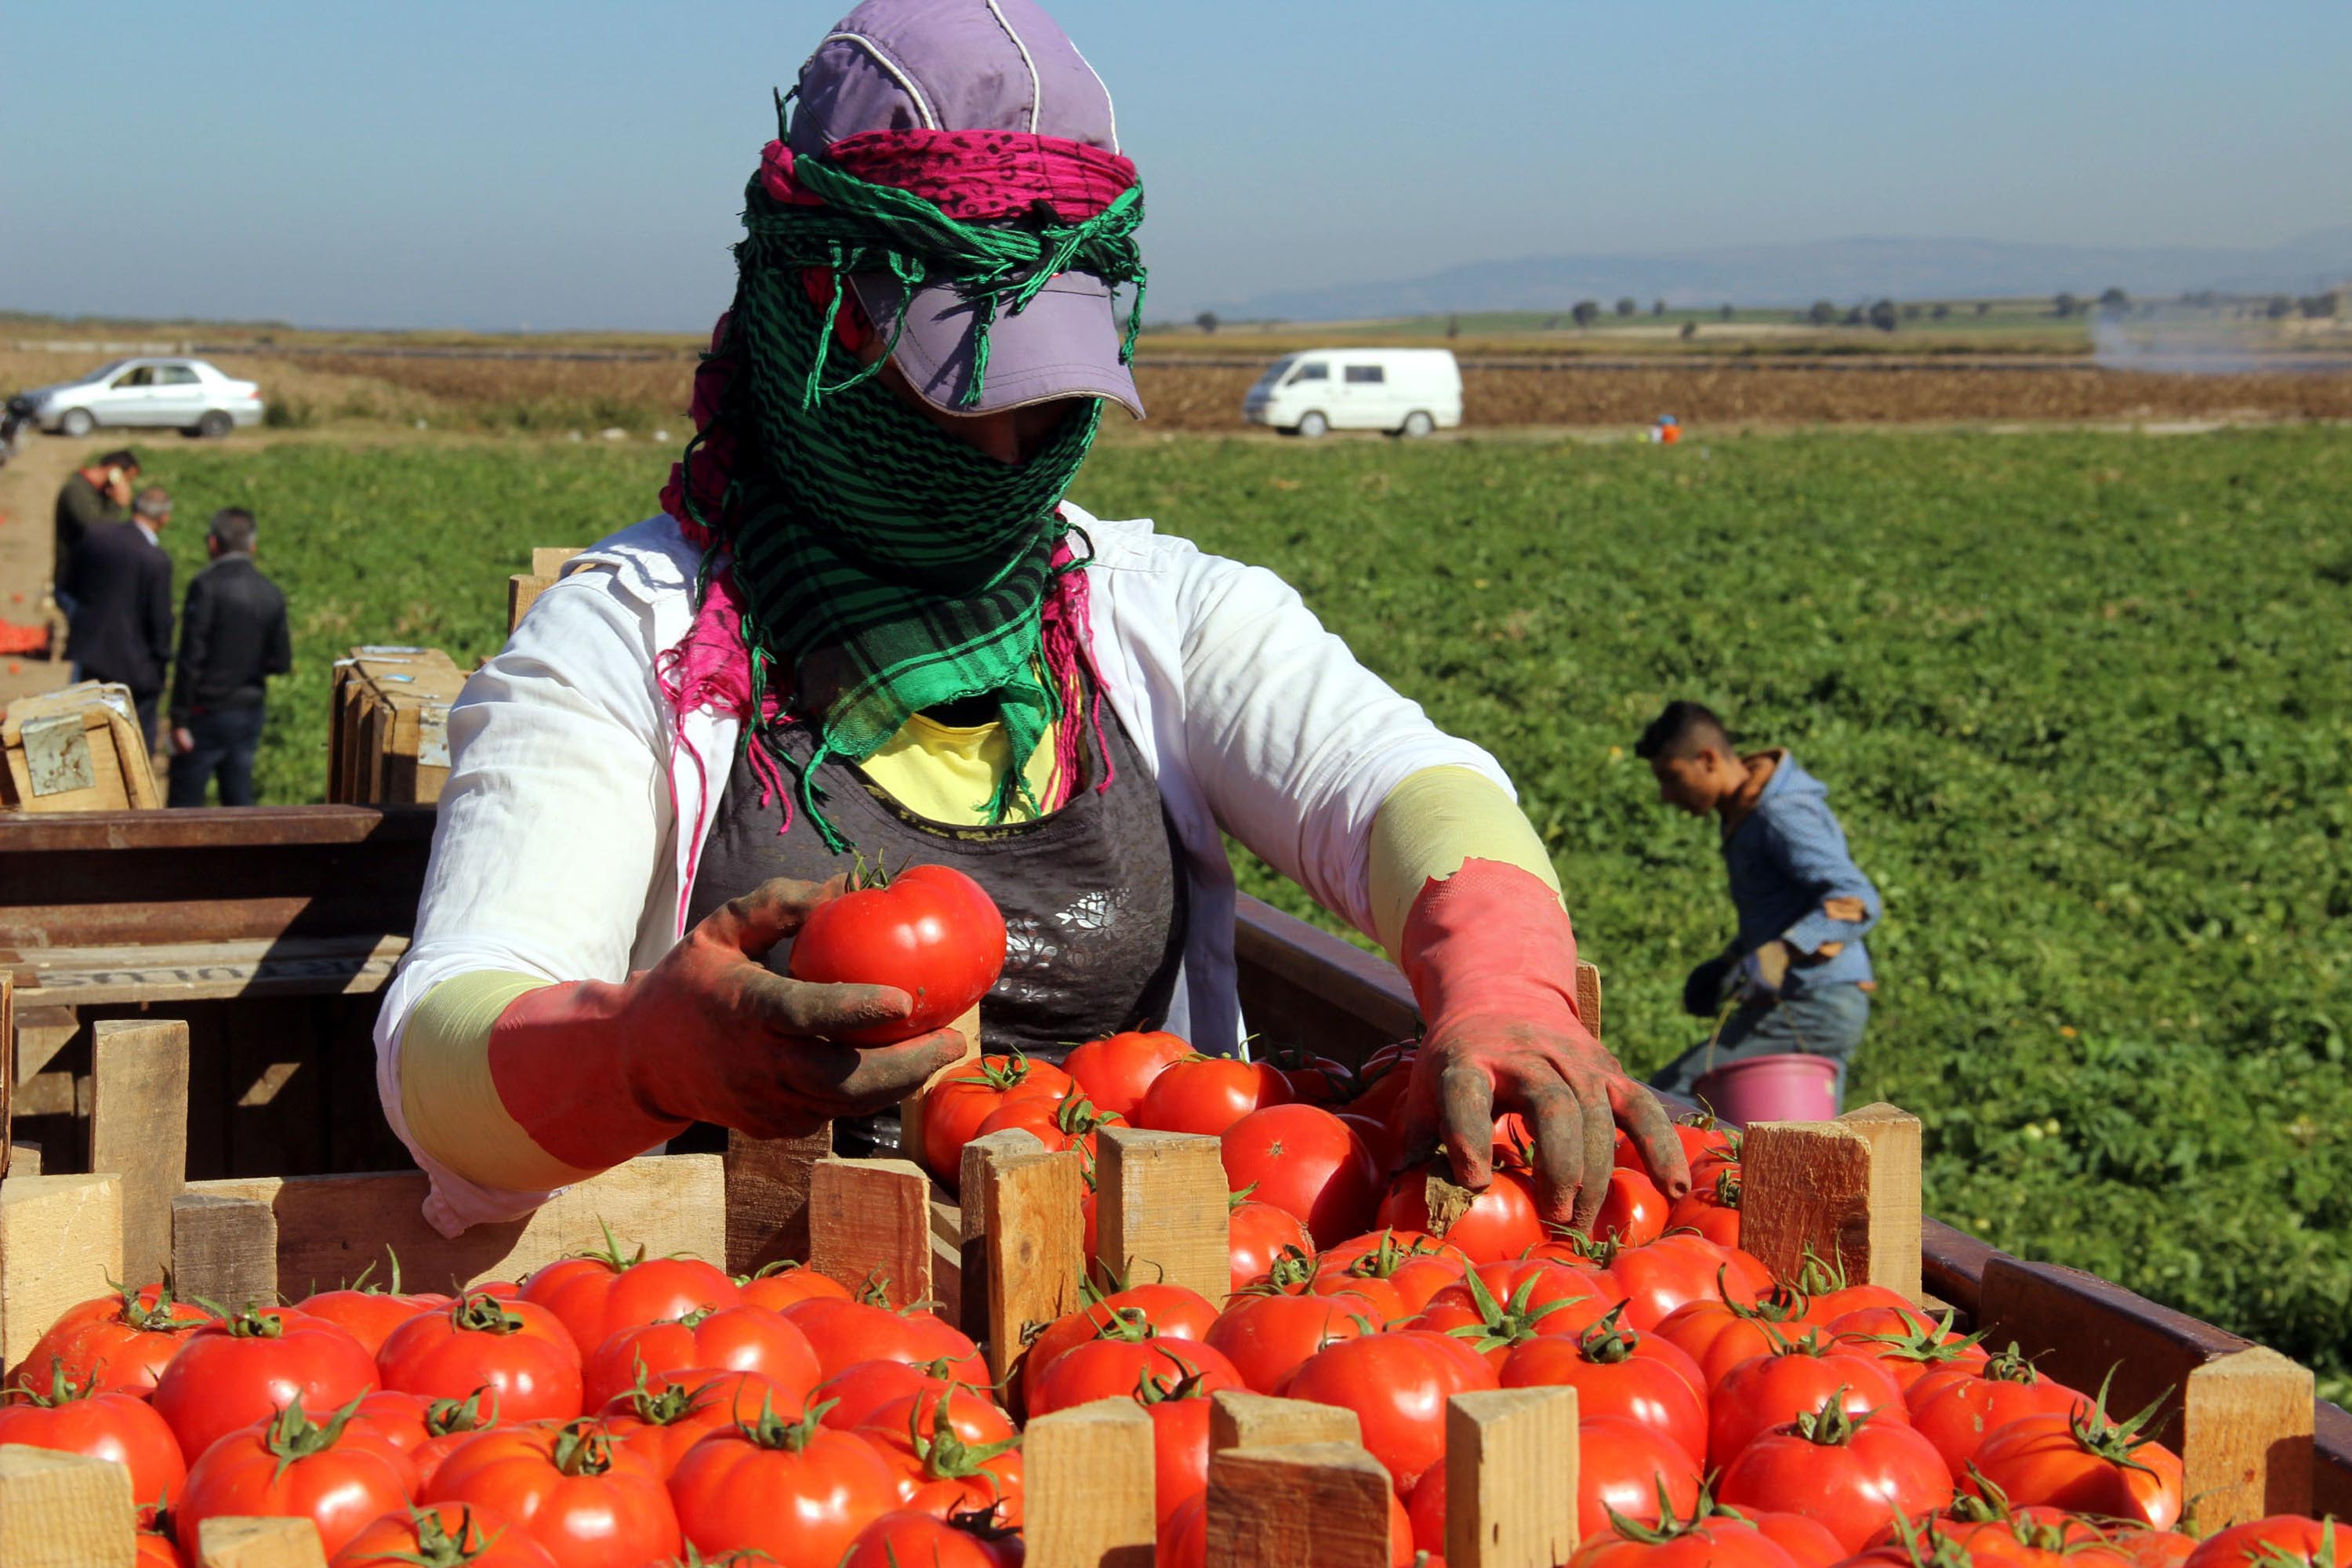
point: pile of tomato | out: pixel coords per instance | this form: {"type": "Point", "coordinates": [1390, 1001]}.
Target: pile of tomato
{"type": "Point", "coordinates": [616, 1410]}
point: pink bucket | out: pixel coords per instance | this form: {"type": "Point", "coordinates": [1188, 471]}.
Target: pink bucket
{"type": "Point", "coordinates": [1788, 1087]}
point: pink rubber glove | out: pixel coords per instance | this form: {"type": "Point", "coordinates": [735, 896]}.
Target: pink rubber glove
{"type": "Point", "coordinates": [598, 1073]}
{"type": "Point", "coordinates": [1492, 960]}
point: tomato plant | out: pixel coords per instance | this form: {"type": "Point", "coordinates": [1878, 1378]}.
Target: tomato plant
{"type": "Point", "coordinates": [930, 931]}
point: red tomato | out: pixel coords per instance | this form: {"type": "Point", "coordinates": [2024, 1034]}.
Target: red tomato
{"type": "Point", "coordinates": [515, 1349]}
{"type": "Point", "coordinates": [846, 1398]}
{"type": "Point", "coordinates": [1266, 1337]}
{"type": "Point", "coordinates": [1257, 1233]}
{"type": "Point", "coordinates": [1711, 1208]}
{"type": "Point", "coordinates": [1675, 1270]}
{"type": "Point", "coordinates": [1116, 1368]}
{"type": "Point", "coordinates": [1771, 1391]}
{"type": "Point", "coordinates": [1633, 1212]}
{"type": "Point", "coordinates": [1304, 1161]}
{"type": "Point", "coordinates": [1385, 1140]}
{"type": "Point", "coordinates": [733, 1338]}
{"type": "Point", "coordinates": [598, 1294]}
{"type": "Point", "coordinates": [1208, 1094]}
{"type": "Point", "coordinates": [453, 1533]}
{"type": "Point", "coordinates": [1718, 1541]}
{"type": "Point", "coordinates": [1066, 1123]}
{"type": "Point", "coordinates": [1183, 1540]}
{"type": "Point", "coordinates": [289, 1466]}
{"type": "Point", "coordinates": [930, 930]}
{"type": "Point", "coordinates": [449, 1424]}
{"type": "Point", "coordinates": [1115, 1073]}
{"type": "Point", "coordinates": [843, 1333]}
{"type": "Point", "coordinates": [114, 1344]}
{"type": "Point", "coordinates": [1498, 1222]}
{"type": "Point", "coordinates": [1498, 1305]}
{"type": "Point", "coordinates": [1829, 1295]}
{"type": "Point", "coordinates": [955, 1107]}
{"type": "Point", "coordinates": [235, 1373]}
{"type": "Point", "coordinates": [1136, 1312]}
{"type": "Point", "coordinates": [1314, 1079]}
{"type": "Point", "coordinates": [589, 1500]}
{"type": "Point", "coordinates": [1850, 1475]}
{"type": "Point", "coordinates": [779, 1285]}
{"type": "Point", "coordinates": [1906, 1342]}
{"type": "Point", "coordinates": [72, 1419]}
{"type": "Point", "coordinates": [402, 1420]}
{"type": "Point", "coordinates": [797, 1491]}
{"type": "Point", "coordinates": [2084, 1463]}
{"type": "Point", "coordinates": [1397, 1384]}
{"type": "Point", "coordinates": [950, 1451]}
{"type": "Point", "coordinates": [369, 1312]}
{"type": "Point", "coordinates": [1412, 1267]}
{"type": "Point", "coordinates": [1626, 1468]}
{"type": "Point", "coordinates": [2285, 1540]}
{"type": "Point", "coordinates": [1180, 1451]}
{"type": "Point", "coordinates": [1719, 1334]}
{"type": "Point", "coordinates": [1616, 1371]}
{"type": "Point", "coordinates": [905, 1539]}
{"type": "Point", "coordinates": [660, 1420]}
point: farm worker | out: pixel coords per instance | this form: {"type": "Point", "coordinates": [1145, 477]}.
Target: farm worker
{"type": "Point", "coordinates": [1796, 968]}
{"type": "Point", "coordinates": [95, 494]}
{"type": "Point", "coordinates": [233, 639]}
{"type": "Point", "coordinates": [868, 620]}
{"type": "Point", "coordinates": [120, 581]}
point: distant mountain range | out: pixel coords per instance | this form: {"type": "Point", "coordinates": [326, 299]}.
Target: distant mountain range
{"type": "Point", "coordinates": [1842, 271]}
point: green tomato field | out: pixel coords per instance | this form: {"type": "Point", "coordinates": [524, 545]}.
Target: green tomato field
{"type": "Point", "coordinates": [2080, 699]}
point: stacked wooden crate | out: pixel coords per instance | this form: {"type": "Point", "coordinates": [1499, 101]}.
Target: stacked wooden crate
{"type": "Point", "coordinates": [80, 748]}
{"type": "Point", "coordinates": [387, 730]}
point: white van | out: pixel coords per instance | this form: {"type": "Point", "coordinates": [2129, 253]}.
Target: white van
{"type": "Point", "coordinates": [1410, 392]}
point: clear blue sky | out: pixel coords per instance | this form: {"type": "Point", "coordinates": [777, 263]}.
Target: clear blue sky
{"type": "Point", "coordinates": [579, 164]}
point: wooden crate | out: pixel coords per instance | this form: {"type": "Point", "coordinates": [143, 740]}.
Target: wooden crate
{"type": "Point", "coordinates": [387, 740]}
{"type": "Point", "coordinates": [524, 588]}
{"type": "Point", "coordinates": [80, 748]}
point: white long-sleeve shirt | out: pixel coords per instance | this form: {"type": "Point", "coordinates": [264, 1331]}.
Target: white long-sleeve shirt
{"type": "Point", "coordinates": [576, 808]}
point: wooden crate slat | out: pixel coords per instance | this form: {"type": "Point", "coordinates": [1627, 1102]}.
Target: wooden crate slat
{"type": "Point", "coordinates": [139, 1129]}
{"type": "Point", "coordinates": [275, 1542]}
{"type": "Point", "coordinates": [870, 1224]}
{"type": "Point", "coordinates": [1243, 1420]}
{"type": "Point", "coordinates": [1087, 1488]}
{"type": "Point", "coordinates": [225, 1250]}
{"type": "Point", "coordinates": [61, 1243]}
{"type": "Point", "coordinates": [1160, 1210]}
{"type": "Point", "coordinates": [767, 1197]}
{"type": "Point", "coordinates": [64, 1510]}
{"type": "Point", "coordinates": [1510, 1477]}
{"type": "Point", "coordinates": [1034, 1246]}
{"type": "Point", "coordinates": [1324, 1503]}
{"type": "Point", "coordinates": [1846, 1191]}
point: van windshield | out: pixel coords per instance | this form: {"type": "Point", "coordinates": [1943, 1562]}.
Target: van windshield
{"type": "Point", "coordinates": [1317, 371]}
{"type": "Point", "coordinates": [1274, 372]}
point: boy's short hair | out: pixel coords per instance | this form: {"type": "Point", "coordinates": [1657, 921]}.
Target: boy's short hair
{"type": "Point", "coordinates": [234, 528]}
{"type": "Point", "coordinates": [1684, 730]}
{"type": "Point", "coordinates": [121, 458]}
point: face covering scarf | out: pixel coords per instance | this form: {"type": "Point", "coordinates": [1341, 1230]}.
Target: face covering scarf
{"type": "Point", "coordinates": [862, 563]}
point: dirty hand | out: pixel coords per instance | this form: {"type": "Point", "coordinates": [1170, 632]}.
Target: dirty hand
{"type": "Point", "coordinates": [183, 742]}
{"type": "Point", "coordinates": [1762, 971]}
{"type": "Point", "coordinates": [1492, 959]}
{"type": "Point", "coordinates": [708, 1034]}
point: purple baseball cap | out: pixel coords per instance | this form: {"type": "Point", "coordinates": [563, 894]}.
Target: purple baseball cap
{"type": "Point", "coordinates": [974, 65]}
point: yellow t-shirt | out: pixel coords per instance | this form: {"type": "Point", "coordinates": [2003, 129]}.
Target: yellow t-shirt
{"type": "Point", "coordinates": [950, 772]}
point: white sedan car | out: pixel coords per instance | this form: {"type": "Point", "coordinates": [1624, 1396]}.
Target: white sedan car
{"type": "Point", "coordinates": [190, 395]}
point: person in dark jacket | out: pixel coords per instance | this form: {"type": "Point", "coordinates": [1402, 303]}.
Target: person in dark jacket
{"type": "Point", "coordinates": [233, 637]}
{"type": "Point", "coordinates": [1797, 967]}
{"type": "Point", "coordinates": [121, 583]}
{"type": "Point", "coordinates": [91, 495]}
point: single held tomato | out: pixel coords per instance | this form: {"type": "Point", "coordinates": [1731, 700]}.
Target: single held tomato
{"type": "Point", "coordinates": [290, 1464]}
{"type": "Point", "coordinates": [2084, 1463]}
{"type": "Point", "coordinates": [1208, 1094]}
{"type": "Point", "coordinates": [1770, 1391]}
{"type": "Point", "coordinates": [954, 1107]}
{"type": "Point", "coordinates": [114, 1344]}
{"type": "Point", "coordinates": [1850, 1474]}
{"type": "Point", "coordinates": [587, 1499]}
{"type": "Point", "coordinates": [456, 1535]}
{"type": "Point", "coordinates": [778, 1284]}
{"type": "Point", "coordinates": [732, 1339]}
{"type": "Point", "coordinates": [1396, 1383]}
{"type": "Point", "coordinates": [597, 1294]}
{"type": "Point", "coordinates": [1115, 1072]}
{"type": "Point", "coordinates": [1632, 1471]}
{"type": "Point", "coordinates": [930, 930]}
{"type": "Point", "coordinates": [1304, 1161]}
{"type": "Point", "coordinates": [1256, 1234]}
{"type": "Point", "coordinates": [73, 1418]}
{"type": "Point", "coordinates": [517, 1350]}
{"type": "Point", "coordinates": [798, 1491]}
{"type": "Point", "coordinates": [235, 1372]}
{"type": "Point", "coordinates": [905, 1539]}
{"type": "Point", "coordinates": [1616, 1371]}
{"type": "Point", "coordinates": [1498, 1222]}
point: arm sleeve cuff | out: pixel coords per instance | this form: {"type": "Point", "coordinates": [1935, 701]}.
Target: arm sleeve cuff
{"type": "Point", "coordinates": [1432, 822]}
{"type": "Point", "coordinates": [446, 1095]}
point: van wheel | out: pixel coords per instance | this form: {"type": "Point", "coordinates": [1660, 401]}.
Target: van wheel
{"type": "Point", "coordinates": [215, 425]}
{"type": "Point", "coordinates": [76, 424]}
{"type": "Point", "coordinates": [1312, 425]}
{"type": "Point", "coordinates": [1418, 424]}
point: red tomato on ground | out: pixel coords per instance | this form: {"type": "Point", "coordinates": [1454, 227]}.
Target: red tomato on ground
{"type": "Point", "coordinates": [289, 1465]}
{"type": "Point", "coordinates": [1115, 1072]}
{"type": "Point", "coordinates": [589, 1500]}
{"type": "Point", "coordinates": [1850, 1475]}
{"type": "Point", "coordinates": [1396, 1383]}
{"type": "Point", "coordinates": [515, 1349]}
{"type": "Point", "coordinates": [1498, 1222]}
{"type": "Point", "coordinates": [797, 1491]}
{"type": "Point", "coordinates": [453, 1533]}
{"type": "Point", "coordinates": [247, 1368]}
{"type": "Point", "coordinates": [732, 1339]}
{"type": "Point", "coordinates": [1208, 1094]}
{"type": "Point", "coordinates": [114, 1344]}
{"type": "Point", "coordinates": [69, 1418]}
{"type": "Point", "coordinates": [598, 1294]}
{"type": "Point", "coordinates": [1304, 1161]}
{"type": "Point", "coordinates": [930, 930]}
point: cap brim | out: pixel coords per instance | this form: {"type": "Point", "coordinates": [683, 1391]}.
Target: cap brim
{"type": "Point", "coordinates": [1064, 343]}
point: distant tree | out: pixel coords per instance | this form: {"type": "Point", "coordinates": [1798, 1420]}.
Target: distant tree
{"type": "Point", "coordinates": [1941, 312]}
{"type": "Point", "coordinates": [2280, 306]}
{"type": "Point", "coordinates": [1984, 309]}
{"type": "Point", "coordinates": [1207, 321]}
{"type": "Point", "coordinates": [1690, 330]}
{"type": "Point", "coordinates": [1854, 318]}
{"type": "Point", "coordinates": [1884, 315]}
{"type": "Point", "coordinates": [2115, 299]}
{"type": "Point", "coordinates": [2320, 307]}
{"type": "Point", "coordinates": [1913, 312]}
{"type": "Point", "coordinates": [1822, 314]}
{"type": "Point", "coordinates": [1453, 326]}
{"type": "Point", "coordinates": [1725, 312]}
{"type": "Point", "coordinates": [1626, 306]}
{"type": "Point", "coordinates": [1586, 312]}
{"type": "Point", "coordinates": [1658, 308]}
{"type": "Point", "coordinates": [2065, 305]}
